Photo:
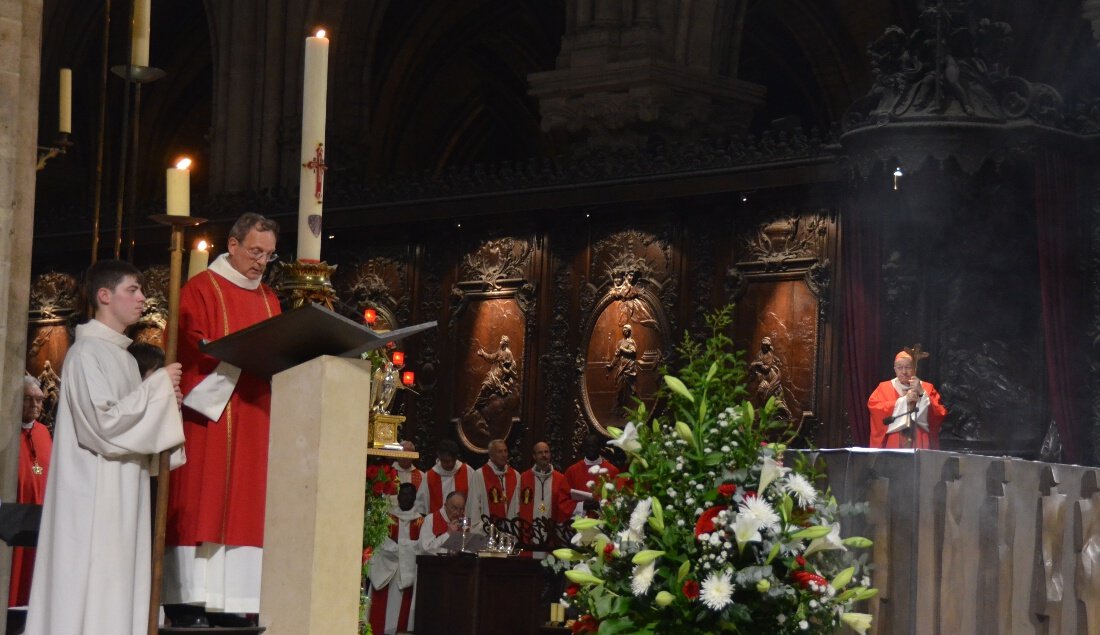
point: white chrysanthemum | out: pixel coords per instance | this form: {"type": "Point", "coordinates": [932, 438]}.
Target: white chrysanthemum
{"type": "Point", "coordinates": [643, 578]}
{"type": "Point", "coordinates": [761, 510]}
{"type": "Point", "coordinates": [635, 531]}
{"type": "Point", "coordinates": [800, 488]}
{"type": "Point", "coordinates": [716, 591]}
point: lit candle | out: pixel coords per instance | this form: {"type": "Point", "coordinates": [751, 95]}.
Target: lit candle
{"type": "Point", "coordinates": [370, 316]}
{"type": "Point", "coordinates": [408, 378]}
{"type": "Point", "coordinates": [398, 358]}
{"type": "Point", "coordinates": [139, 33]}
{"type": "Point", "coordinates": [311, 181]}
{"type": "Point", "coordinates": [196, 264]}
{"type": "Point", "coordinates": [179, 188]}
{"type": "Point", "coordinates": [65, 99]}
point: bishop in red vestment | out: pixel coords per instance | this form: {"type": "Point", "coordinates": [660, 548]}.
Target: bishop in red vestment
{"type": "Point", "coordinates": [906, 398]}
{"type": "Point", "coordinates": [216, 504]}
{"type": "Point", "coordinates": [35, 446]}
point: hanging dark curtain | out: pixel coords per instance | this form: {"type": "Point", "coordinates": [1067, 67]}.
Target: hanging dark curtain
{"type": "Point", "coordinates": [861, 263]}
{"type": "Point", "coordinates": [1062, 232]}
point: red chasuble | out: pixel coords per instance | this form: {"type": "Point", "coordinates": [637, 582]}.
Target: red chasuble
{"type": "Point", "coordinates": [881, 405]}
{"type": "Point", "coordinates": [498, 495]}
{"type": "Point", "coordinates": [218, 496]}
{"type": "Point", "coordinates": [560, 506]}
{"type": "Point", "coordinates": [435, 486]}
{"type": "Point", "coordinates": [35, 447]}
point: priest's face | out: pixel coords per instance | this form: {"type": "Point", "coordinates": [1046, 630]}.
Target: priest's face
{"type": "Point", "coordinates": [903, 368]}
{"type": "Point", "coordinates": [447, 462]}
{"type": "Point", "coordinates": [455, 507]}
{"type": "Point", "coordinates": [541, 454]}
{"type": "Point", "coordinates": [498, 454]}
{"type": "Point", "coordinates": [250, 256]}
{"type": "Point", "coordinates": [32, 402]}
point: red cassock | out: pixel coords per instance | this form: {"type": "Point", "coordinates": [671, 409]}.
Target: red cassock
{"type": "Point", "coordinates": [561, 507]}
{"type": "Point", "coordinates": [578, 476]}
{"type": "Point", "coordinates": [379, 598]}
{"type": "Point", "coordinates": [218, 496]}
{"type": "Point", "coordinates": [881, 405]}
{"type": "Point", "coordinates": [35, 447]}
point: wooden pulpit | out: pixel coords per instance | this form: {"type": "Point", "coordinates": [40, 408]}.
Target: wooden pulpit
{"type": "Point", "coordinates": [317, 458]}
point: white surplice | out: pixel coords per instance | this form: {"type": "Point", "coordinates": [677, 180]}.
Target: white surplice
{"type": "Point", "coordinates": [92, 574]}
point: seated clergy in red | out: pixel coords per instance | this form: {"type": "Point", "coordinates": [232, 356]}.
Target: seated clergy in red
{"type": "Point", "coordinates": [583, 474]}
{"type": "Point", "coordinates": [442, 524]}
{"type": "Point", "coordinates": [494, 487]}
{"type": "Point", "coordinates": [393, 568]}
{"type": "Point", "coordinates": [446, 476]}
{"type": "Point", "coordinates": [905, 399]}
{"type": "Point", "coordinates": [34, 465]}
{"type": "Point", "coordinates": [543, 491]}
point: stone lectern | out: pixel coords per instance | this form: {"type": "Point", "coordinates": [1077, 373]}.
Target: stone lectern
{"type": "Point", "coordinates": [317, 458]}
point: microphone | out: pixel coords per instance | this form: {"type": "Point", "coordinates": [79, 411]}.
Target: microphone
{"type": "Point", "coordinates": [891, 419]}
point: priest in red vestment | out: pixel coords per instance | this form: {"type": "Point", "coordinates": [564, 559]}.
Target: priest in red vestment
{"type": "Point", "coordinates": [393, 568]}
{"type": "Point", "coordinates": [446, 476]}
{"type": "Point", "coordinates": [544, 491]}
{"type": "Point", "coordinates": [441, 524]}
{"type": "Point", "coordinates": [583, 474]}
{"type": "Point", "coordinates": [216, 505]}
{"type": "Point", "coordinates": [35, 446]}
{"type": "Point", "coordinates": [905, 411]}
{"type": "Point", "coordinates": [494, 487]}
{"type": "Point", "coordinates": [406, 471]}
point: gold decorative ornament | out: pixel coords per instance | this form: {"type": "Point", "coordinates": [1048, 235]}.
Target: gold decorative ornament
{"type": "Point", "coordinates": [307, 282]}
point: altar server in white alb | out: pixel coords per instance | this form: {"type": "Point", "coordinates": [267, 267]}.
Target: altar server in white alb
{"type": "Point", "coordinates": [92, 574]}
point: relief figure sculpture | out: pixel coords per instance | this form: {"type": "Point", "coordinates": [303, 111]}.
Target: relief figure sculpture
{"type": "Point", "coordinates": [770, 384]}
{"type": "Point", "coordinates": [500, 380]}
{"type": "Point", "coordinates": [624, 367]}
{"type": "Point", "coordinates": [632, 308]}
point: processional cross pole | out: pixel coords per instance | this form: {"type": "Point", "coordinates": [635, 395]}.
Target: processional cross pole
{"type": "Point", "coordinates": [171, 348]}
{"type": "Point", "coordinates": [916, 354]}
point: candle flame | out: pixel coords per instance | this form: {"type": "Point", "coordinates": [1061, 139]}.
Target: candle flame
{"type": "Point", "coordinates": [183, 163]}
{"type": "Point", "coordinates": [201, 246]}
{"type": "Point", "coordinates": [320, 33]}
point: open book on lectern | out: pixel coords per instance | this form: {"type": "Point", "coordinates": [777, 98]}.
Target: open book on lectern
{"type": "Point", "coordinates": [295, 337]}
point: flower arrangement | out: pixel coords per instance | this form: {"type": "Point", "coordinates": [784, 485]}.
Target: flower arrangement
{"type": "Point", "coordinates": [709, 530]}
{"type": "Point", "coordinates": [382, 482]}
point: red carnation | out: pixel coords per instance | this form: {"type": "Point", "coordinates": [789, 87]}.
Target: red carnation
{"type": "Point", "coordinates": [379, 488]}
{"type": "Point", "coordinates": [727, 489]}
{"type": "Point", "coordinates": [372, 472]}
{"type": "Point", "coordinates": [367, 553]}
{"type": "Point", "coordinates": [608, 550]}
{"type": "Point", "coordinates": [800, 560]}
{"type": "Point", "coordinates": [690, 589]}
{"type": "Point", "coordinates": [572, 590]}
{"type": "Point", "coordinates": [705, 524]}
{"type": "Point", "coordinates": [586, 624]}
{"type": "Point", "coordinates": [804, 578]}
{"type": "Point", "coordinates": [749, 493]}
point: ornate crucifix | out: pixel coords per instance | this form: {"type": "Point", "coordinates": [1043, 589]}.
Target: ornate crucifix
{"type": "Point", "coordinates": [317, 164]}
{"type": "Point", "coordinates": [917, 354]}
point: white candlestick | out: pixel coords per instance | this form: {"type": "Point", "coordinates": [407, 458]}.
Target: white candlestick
{"type": "Point", "coordinates": [179, 189]}
{"type": "Point", "coordinates": [198, 260]}
{"type": "Point", "coordinates": [65, 102]}
{"type": "Point", "coordinates": [139, 33]}
{"type": "Point", "coordinates": [311, 183]}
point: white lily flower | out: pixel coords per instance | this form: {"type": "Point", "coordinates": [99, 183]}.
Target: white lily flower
{"type": "Point", "coordinates": [585, 537]}
{"type": "Point", "coordinates": [746, 529]}
{"type": "Point", "coordinates": [858, 622]}
{"type": "Point", "coordinates": [770, 471]}
{"type": "Point", "coordinates": [827, 542]}
{"type": "Point", "coordinates": [628, 440]}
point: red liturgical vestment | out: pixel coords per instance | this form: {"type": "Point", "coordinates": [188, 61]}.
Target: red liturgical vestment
{"type": "Point", "coordinates": [882, 404]}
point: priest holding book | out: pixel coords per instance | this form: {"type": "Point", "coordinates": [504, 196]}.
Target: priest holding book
{"type": "Point", "coordinates": [905, 411]}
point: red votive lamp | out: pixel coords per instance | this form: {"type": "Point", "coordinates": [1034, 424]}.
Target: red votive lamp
{"type": "Point", "coordinates": [398, 358]}
{"type": "Point", "coordinates": [408, 378]}
{"type": "Point", "coordinates": [370, 316]}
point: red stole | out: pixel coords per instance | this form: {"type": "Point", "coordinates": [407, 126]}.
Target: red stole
{"type": "Point", "coordinates": [498, 495]}
{"type": "Point", "coordinates": [218, 496]}
{"type": "Point", "coordinates": [435, 486]}
{"type": "Point", "coordinates": [414, 528]}
{"type": "Point", "coordinates": [439, 524]}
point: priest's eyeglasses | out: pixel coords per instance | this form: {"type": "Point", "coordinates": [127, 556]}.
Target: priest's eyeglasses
{"type": "Point", "coordinates": [258, 254]}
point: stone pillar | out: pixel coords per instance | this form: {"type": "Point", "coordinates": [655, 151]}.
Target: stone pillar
{"type": "Point", "coordinates": [20, 59]}
{"type": "Point", "coordinates": [313, 531]}
{"type": "Point", "coordinates": [631, 71]}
